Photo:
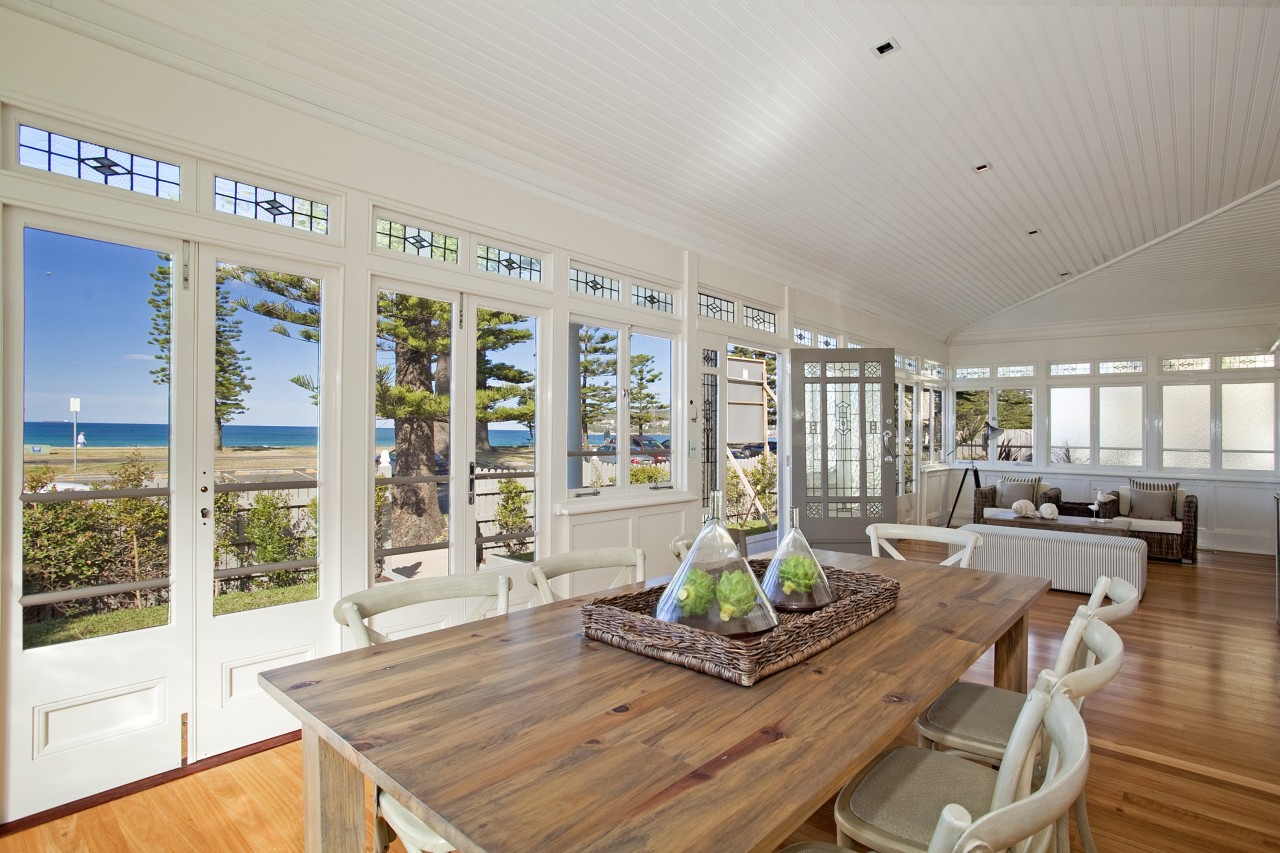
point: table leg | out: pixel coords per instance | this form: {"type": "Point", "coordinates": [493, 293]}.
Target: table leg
{"type": "Point", "coordinates": [332, 798]}
{"type": "Point", "coordinates": [1011, 658]}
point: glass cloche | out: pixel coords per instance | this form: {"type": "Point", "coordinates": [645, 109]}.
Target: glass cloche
{"type": "Point", "coordinates": [794, 579]}
{"type": "Point", "coordinates": [715, 590]}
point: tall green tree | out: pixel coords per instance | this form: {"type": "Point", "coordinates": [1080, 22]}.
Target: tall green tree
{"type": "Point", "coordinates": [503, 391]}
{"type": "Point", "coordinates": [597, 360]}
{"type": "Point", "coordinates": [645, 406]}
{"type": "Point", "coordinates": [232, 380]}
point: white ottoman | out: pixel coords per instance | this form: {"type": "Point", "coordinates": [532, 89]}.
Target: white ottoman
{"type": "Point", "coordinates": [1070, 561]}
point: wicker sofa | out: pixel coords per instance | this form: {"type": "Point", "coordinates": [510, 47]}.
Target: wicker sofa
{"type": "Point", "coordinates": [985, 499]}
{"type": "Point", "coordinates": [1168, 541]}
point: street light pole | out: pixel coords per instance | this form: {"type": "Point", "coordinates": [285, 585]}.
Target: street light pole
{"type": "Point", "coordinates": [75, 433]}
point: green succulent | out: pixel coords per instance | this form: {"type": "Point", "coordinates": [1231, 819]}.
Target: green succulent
{"type": "Point", "coordinates": [694, 597]}
{"type": "Point", "coordinates": [798, 573]}
{"type": "Point", "coordinates": [736, 593]}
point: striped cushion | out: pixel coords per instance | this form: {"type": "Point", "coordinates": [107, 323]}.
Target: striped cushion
{"type": "Point", "coordinates": [1153, 485]}
{"type": "Point", "coordinates": [1005, 501]}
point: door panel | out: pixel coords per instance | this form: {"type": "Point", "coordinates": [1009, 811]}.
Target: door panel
{"type": "Point", "coordinates": [98, 638]}
{"type": "Point", "coordinates": [843, 444]}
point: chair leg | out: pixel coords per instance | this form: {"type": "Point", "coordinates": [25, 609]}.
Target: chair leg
{"type": "Point", "coordinates": [1082, 825]}
{"type": "Point", "coordinates": [924, 742]}
{"type": "Point", "coordinates": [383, 834]}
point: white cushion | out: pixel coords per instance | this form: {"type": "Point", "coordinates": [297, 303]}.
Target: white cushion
{"type": "Point", "coordinates": [1179, 497]}
{"type": "Point", "coordinates": [1149, 525]}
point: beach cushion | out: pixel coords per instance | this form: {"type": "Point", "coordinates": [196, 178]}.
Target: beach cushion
{"type": "Point", "coordinates": [1153, 505]}
{"type": "Point", "coordinates": [1179, 500]}
{"type": "Point", "coordinates": [1146, 525]}
{"type": "Point", "coordinates": [1011, 489]}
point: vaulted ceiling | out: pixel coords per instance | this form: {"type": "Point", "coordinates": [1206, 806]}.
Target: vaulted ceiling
{"type": "Point", "coordinates": [1133, 149]}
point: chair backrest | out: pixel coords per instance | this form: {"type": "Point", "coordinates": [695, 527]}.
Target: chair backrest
{"type": "Point", "coordinates": [682, 543]}
{"type": "Point", "coordinates": [628, 561]}
{"type": "Point", "coordinates": [1090, 655]}
{"type": "Point", "coordinates": [351, 610]}
{"type": "Point", "coordinates": [966, 539]}
{"type": "Point", "coordinates": [1019, 819]}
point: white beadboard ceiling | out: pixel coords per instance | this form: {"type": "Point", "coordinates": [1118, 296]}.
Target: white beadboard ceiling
{"type": "Point", "coordinates": [1138, 139]}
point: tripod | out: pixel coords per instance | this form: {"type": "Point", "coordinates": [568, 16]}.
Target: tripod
{"type": "Point", "coordinates": [977, 484]}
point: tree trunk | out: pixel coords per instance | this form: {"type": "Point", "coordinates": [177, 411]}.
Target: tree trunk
{"type": "Point", "coordinates": [415, 507]}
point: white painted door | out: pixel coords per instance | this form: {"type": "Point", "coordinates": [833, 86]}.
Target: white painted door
{"type": "Point", "coordinates": [455, 458]}
{"type": "Point", "coordinates": [98, 587]}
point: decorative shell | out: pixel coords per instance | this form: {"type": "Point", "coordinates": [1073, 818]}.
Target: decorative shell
{"type": "Point", "coordinates": [1049, 511]}
{"type": "Point", "coordinates": [1025, 509]}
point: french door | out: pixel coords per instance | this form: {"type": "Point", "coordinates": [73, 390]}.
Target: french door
{"type": "Point", "coordinates": [164, 547]}
{"type": "Point", "coordinates": [843, 444]}
{"type": "Point", "coordinates": [456, 443]}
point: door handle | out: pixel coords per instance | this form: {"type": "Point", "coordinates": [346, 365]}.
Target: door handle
{"type": "Point", "coordinates": [471, 484]}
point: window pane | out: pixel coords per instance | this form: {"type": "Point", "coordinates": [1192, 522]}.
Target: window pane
{"type": "Point", "coordinates": [266, 434]}
{"type": "Point", "coordinates": [96, 400]}
{"type": "Point", "coordinates": [1069, 417]}
{"type": "Point", "coordinates": [1015, 414]}
{"type": "Point", "coordinates": [1248, 426]}
{"type": "Point", "coordinates": [971, 416]}
{"type": "Point", "coordinates": [1186, 426]}
{"type": "Point", "coordinates": [906, 459]}
{"type": "Point", "coordinates": [649, 409]}
{"type": "Point", "coordinates": [1120, 425]}
{"type": "Point", "coordinates": [593, 419]}
{"type": "Point", "coordinates": [413, 350]}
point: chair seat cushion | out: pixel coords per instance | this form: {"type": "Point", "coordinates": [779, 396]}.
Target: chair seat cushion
{"type": "Point", "coordinates": [898, 800]}
{"type": "Point", "coordinates": [974, 717]}
{"type": "Point", "coordinates": [1147, 525]}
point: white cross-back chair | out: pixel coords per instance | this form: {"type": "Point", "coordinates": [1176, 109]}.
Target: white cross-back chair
{"type": "Point", "coordinates": [628, 561]}
{"type": "Point", "coordinates": [913, 800]}
{"type": "Point", "coordinates": [975, 720]}
{"type": "Point", "coordinates": [966, 539]}
{"type": "Point", "coordinates": [392, 820]}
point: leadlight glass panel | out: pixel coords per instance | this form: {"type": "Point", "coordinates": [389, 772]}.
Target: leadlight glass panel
{"type": "Point", "coordinates": [897, 360]}
{"type": "Point", "coordinates": [813, 439]}
{"type": "Point", "coordinates": [594, 284]}
{"type": "Point", "coordinates": [911, 363]}
{"type": "Point", "coordinates": [1077, 368]}
{"type": "Point", "coordinates": [1180, 365]}
{"type": "Point", "coordinates": [420, 242]}
{"type": "Point", "coordinates": [1015, 371]}
{"type": "Point", "coordinates": [875, 509]}
{"type": "Point", "coordinates": [650, 297]}
{"type": "Point", "coordinates": [710, 357]}
{"type": "Point", "coordinates": [1249, 426]}
{"type": "Point", "coordinates": [1243, 362]}
{"type": "Point", "coordinates": [872, 414]}
{"type": "Point", "coordinates": [1186, 427]}
{"type": "Point", "coordinates": [97, 164]}
{"type": "Point", "coordinates": [710, 433]}
{"type": "Point", "coordinates": [812, 369]}
{"type": "Point", "coordinates": [1133, 365]}
{"type": "Point", "coordinates": [844, 509]}
{"type": "Point", "coordinates": [872, 368]}
{"type": "Point", "coordinates": [852, 345]}
{"type": "Point", "coordinates": [758, 318]}
{"type": "Point", "coordinates": [932, 370]}
{"type": "Point", "coordinates": [715, 307]}
{"type": "Point", "coordinates": [843, 445]}
{"type": "Point", "coordinates": [826, 341]}
{"type": "Point", "coordinates": [266, 205]}
{"type": "Point", "coordinates": [812, 510]}
{"type": "Point", "coordinates": [973, 373]}
{"type": "Point", "coordinates": [843, 369]}
{"type": "Point", "coordinates": [803, 337]}
{"type": "Point", "coordinates": [505, 262]}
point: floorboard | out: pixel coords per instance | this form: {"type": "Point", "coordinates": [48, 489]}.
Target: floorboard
{"type": "Point", "coordinates": [1186, 741]}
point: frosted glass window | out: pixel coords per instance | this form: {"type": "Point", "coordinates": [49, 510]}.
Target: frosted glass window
{"type": "Point", "coordinates": [1186, 427]}
{"type": "Point", "coordinates": [1120, 425]}
{"type": "Point", "coordinates": [1249, 426]}
{"type": "Point", "coordinates": [1244, 362]}
{"type": "Point", "coordinates": [1070, 411]}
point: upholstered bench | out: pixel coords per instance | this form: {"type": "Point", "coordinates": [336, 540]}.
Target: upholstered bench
{"type": "Point", "coordinates": [1071, 561]}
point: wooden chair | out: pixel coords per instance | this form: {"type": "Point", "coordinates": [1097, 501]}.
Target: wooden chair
{"type": "Point", "coordinates": [976, 720]}
{"type": "Point", "coordinates": [967, 539]}
{"type": "Point", "coordinates": [913, 800]}
{"type": "Point", "coordinates": [681, 544]}
{"type": "Point", "coordinates": [391, 819]}
{"type": "Point", "coordinates": [628, 561]}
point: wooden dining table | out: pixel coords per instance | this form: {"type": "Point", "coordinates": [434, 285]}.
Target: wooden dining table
{"type": "Point", "coordinates": [516, 733]}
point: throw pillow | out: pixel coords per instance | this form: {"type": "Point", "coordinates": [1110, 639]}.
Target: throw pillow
{"type": "Point", "coordinates": [1152, 485]}
{"type": "Point", "coordinates": [1008, 491]}
{"type": "Point", "coordinates": [1156, 506]}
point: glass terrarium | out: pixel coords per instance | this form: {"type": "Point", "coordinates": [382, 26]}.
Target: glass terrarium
{"type": "Point", "coordinates": [715, 590]}
{"type": "Point", "coordinates": [794, 579]}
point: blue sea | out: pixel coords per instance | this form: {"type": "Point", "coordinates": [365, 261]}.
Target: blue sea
{"type": "Point", "coordinates": [59, 434]}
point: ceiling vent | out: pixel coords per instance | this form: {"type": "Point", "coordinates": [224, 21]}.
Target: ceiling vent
{"type": "Point", "coordinates": [884, 49]}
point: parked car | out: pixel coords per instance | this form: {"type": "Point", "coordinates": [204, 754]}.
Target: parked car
{"type": "Point", "coordinates": [643, 449]}
{"type": "Point", "coordinates": [755, 448]}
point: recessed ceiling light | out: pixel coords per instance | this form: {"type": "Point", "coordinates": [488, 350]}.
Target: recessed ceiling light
{"type": "Point", "coordinates": [982, 167]}
{"type": "Point", "coordinates": [1033, 232]}
{"type": "Point", "coordinates": [888, 47]}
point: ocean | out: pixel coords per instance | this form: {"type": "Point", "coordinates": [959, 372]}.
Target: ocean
{"type": "Point", "coordinates": [58, 434]}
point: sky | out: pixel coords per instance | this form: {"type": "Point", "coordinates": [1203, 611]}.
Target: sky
{"type": "Point", "coordinates": [87, 324]}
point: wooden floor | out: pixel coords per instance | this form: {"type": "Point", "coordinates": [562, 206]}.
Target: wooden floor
{"type": "Point", "coordinates": [1186, 741]}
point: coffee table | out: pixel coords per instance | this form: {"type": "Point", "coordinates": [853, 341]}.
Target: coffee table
{"type": "Point", "coordinates": [1066, 523]}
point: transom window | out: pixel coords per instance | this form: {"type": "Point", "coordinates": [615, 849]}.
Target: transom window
{"type": "Point", "coordinates": [826, 341]}
{"type": "Point", "coordinates": [1075, 368]}
{"type": "Point", "coordinates": [973, 373]}
{"type": "Point", "coordinates": [417, 241]}
{"type": "Point", "coordinates": [645, 296]}
{"type": "Point", "coordinates": [1132, 365]}
{"type": "Point", "coordinates": [595, 284]}
{"type": "Point", "coordinates": [98, 164]}
{"type": "Point", "coordinates": [803, 337]}
{"type": "Point", "coordinates": [1180, 365]}
{"type": "Point", "coordinates": [267, 205]}
{"type": "Point", "coordinates": [758, 318]}
{"type": "Point", "coordinates": [715, 307]}
{"type": "Point", "coordinates": [506, 262]}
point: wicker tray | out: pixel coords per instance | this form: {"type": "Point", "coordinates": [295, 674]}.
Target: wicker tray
{"type": "Point", "coordinates": [625, 621]}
